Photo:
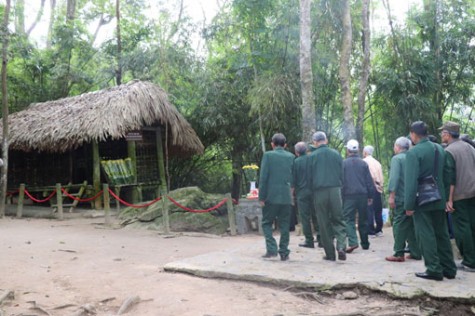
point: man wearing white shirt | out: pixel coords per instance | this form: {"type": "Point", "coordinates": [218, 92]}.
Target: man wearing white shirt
{"type": "Point", "coordinates": [375, 210]}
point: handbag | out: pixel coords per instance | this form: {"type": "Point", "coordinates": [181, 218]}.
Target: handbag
{"type": "Point", "coordinates": [427, 188]}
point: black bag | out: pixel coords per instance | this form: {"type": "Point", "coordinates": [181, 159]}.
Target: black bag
{"type": "Point", "coordinates": [427, 188]}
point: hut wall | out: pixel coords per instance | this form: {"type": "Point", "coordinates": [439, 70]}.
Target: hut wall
{"type": "Point", "coordinates": [38, 169]}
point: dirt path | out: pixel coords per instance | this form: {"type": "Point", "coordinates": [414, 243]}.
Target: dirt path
{"type": "Point", "coordinates": [79, 261]}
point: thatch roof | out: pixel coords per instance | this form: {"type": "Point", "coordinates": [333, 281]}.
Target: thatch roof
{"type": "Point", "coordinates": [65, 124]}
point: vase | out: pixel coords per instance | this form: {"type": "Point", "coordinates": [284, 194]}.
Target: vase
{"type": "Point", "coordinates": [253, 186]}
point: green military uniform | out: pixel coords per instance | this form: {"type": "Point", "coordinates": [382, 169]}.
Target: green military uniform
{"type": "Point", "coordinates": [275, 182]}
{"type": "Point", "coordinates": [313, 213]}
{"type": "Point", "coordinates": [463, 218]}
{"type": "Point", "coordinates": [403, 225]}
{"type": "Point", "coordinates": [304, 196]}
{"type": "Point", "coordinates": [325, 176]}
{"type": "Point", "coordinates": [430, 220]}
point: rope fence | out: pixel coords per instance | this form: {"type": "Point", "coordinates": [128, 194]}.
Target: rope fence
{"type": "Point", "coordinates": [61, 191]}
{"type": "Point", "coordinates": [39, 201]}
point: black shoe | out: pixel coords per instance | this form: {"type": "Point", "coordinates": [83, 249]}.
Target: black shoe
{"type": "Point", "coordinates": [269, 255]}
{"type": "Point", "coordinates": [329, 259]}
{"type": "Point", "coordinates": [305, 245]}
{"type": "Point", "coordinates": [449, 276]}
{"type": "Point", "coordinates": [341, 255]}
{"type": "Point", "coordinates": [424, 275]}
{"type": "Point", "coordinates": [284, 257]}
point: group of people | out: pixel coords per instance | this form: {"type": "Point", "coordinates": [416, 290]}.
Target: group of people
{"type": "Point", "coordinates": [337, 191]}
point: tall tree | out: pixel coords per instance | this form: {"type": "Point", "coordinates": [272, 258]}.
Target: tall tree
{"type": "Point", "coordinates": [344, 71]}
{"type": "Point", "coordinates": [365, 71]}
{"type": "Point", "coordinates": [118, 74]}
{"type": "Point", "coordinates": [5, 140]}
{"type": "Point", "coordinates": [306, 74]}
{"type": "Point", "coordinates": [20, 17]}
{"type": "Point", "coordinates": [52, 10]}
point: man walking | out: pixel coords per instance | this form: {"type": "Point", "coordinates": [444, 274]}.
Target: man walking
{"type": "Point", "coordinates": [326, 179]}
{"type": "Point", "coordinates": [460, 180]}
{"type": "Point", "coordinates": [275, 195]}
{"type": "Point", "coordinates": [303, 193]}
{"type": "Point", "coordinates": [403, 225]}
{"type": "Point", "coordinates": [430, 221]}
{"type": "Point", "coordinates": [357, 192]}
{"type": "Point", "coordinates": [375, 210]}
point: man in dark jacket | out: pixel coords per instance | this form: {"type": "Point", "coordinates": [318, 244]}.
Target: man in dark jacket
{"type": "Point", "coordinates": [275, 195]}
{"type": "Point", "coordinates": [430, 220]}
{"type": "Point", "coordinates": [358, 188]}
{"type": "Point", "coordinates": [325, 178]}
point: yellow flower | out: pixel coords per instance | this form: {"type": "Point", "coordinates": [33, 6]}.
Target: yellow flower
{"type": "Point", "coordinates": [251, 166]}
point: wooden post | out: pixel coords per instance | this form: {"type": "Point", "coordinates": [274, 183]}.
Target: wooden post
{"type": "Point", "coordinates": [132, 153]}
{"type": "Point", "coordinates": [117, 202]}
{"type": "Point", "coordinates": [161, 163]}
{"type": "Point", "coordinates": [21, 198]}
{"type": "Point", "coordinates": [165, 215]}
{"type": "Point", "coordinates": [96, 174]}
{"type": "Point", "coordinates": [231, 214]}
{"type": "Point", "coordinates": [59, 197]}
{"type": "Point", "coordinates": [107, 206]}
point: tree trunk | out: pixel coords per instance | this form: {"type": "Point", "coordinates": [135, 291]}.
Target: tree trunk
{"type": "Point", "coordinates": [344, 71]}
{"type": "Point", "coordinates": [118, 74]}
{"type": "Point", "coordinates": [20, 17]}
{"type": "Point", "coordinates": [365, 70]}
{"type": "Point", "coordinates": [39, 14]}
{"type": "Point", "coordinates": [236, 156]}
{"type": "Point", "coordinates": [71, 10]}
{"type": "Point", "coordinates": [51, 23]}
{"type": "Point", "coordinates": [5, 141]}
{"type": "Point", "coordinates": [306, 74]}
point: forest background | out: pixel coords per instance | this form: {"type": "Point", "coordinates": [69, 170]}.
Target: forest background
{"type": "Point", "coordinates": [250, 68]}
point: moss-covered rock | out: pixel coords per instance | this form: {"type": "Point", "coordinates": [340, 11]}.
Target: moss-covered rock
{"type": "Point", "coordinates": [214, 222]}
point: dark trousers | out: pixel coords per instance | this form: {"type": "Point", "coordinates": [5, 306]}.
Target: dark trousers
{"type": "Point", "coordinates": [329, 213]}
{"type": "Point", "coordinates": [306, 213]}
{"type": "Point", "coordinates": [375, 215]}
{"type": "Point", "coordinates": [434, 242]}
{"type": "Point", "coordinates": [403, 230]}
{"type": "Point", "coordinates": [281, 213]}
{"type": "Point", "coordinates": [351, 205]}
{"type": "Point", "coordinates": [464, 229]}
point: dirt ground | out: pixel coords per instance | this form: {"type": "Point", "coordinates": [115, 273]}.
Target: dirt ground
{"type": "Point", "coordinates": [65, 267]}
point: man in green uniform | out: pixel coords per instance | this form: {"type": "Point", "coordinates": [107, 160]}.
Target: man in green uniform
{"type": "Point", "coordinates": [325, 178]}
{"type": "Point", "coordinates": [430, 220]}
{"type": "Point", "coordinates": [460, 182]}
{"type": "Point", "coordinates": [275, 195]}
{"type": "Point", "coordinates": [303, 193]}
{"type": "Point", "coordinates": [403, 225]}
{"type": "Point", "coordinates": [313, 215]}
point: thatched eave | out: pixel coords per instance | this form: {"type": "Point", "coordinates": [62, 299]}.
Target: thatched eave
{"type": "Point", "coordinates": [65, 124]}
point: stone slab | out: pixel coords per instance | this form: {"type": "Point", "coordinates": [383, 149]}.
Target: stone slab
{"type": "Point", "coordinates": [306, 268]}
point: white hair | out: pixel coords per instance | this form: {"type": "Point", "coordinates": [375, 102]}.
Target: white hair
{"type": "Point", "coordinates": [368, 149]}
{"type": "Point", "coordinates": [403, 143]}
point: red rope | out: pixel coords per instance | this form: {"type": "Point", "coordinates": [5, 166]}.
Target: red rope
{"type": "Point", "coordinates": [39, 201]}
{"type": "Point", "coordinates": [133, 205]}
{"type": "Point", "coordinates": [79, 199]}
{"type": "Point", "coordinates": [198, 211]}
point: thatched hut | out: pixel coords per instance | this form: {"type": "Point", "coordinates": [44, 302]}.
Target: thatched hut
{"type": "Point", "coordinates": [63, 141]}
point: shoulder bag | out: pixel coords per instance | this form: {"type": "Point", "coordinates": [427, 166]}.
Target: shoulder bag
{"type": "Point", "coordinates": [427, 188]}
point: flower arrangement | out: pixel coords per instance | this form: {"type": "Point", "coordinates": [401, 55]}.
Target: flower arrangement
{"type": "Point", "coordinates": [250, 172]}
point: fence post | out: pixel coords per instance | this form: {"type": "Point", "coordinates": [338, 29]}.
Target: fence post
{"type": "Point", "coordinates": [107, 201]}
{"type": "Point", "coordinates": [59, 197]}
{"type": "Point", "coordinates": [165, 215]}
{"type": "Point", "coordinates": [21, 198]}
{"type": "Point", "coordinates": [231, 214]}
{"type": "Point", "coordinates": [117, 202]}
